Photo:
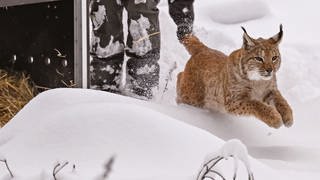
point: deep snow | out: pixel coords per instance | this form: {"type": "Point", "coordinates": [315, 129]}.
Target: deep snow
{"type": "Point", "coordinates": [87, 127]}
{"type": "Point", "coordinates": [149, 139]}
{"type": "Point", "coordinates": [217, 24]}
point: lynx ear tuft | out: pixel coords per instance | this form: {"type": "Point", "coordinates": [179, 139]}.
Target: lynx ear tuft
{"type": "Point", "coordinates": [248, 42]}
{"type": "Point", "coordinates": [278, 37]}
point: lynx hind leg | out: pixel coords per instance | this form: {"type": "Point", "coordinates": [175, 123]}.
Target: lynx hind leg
{"type": "Point", "coordinates": [178, 99]}
{"type": "Point", "coordinates": [189, 90]}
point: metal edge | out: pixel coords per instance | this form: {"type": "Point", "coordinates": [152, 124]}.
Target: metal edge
{"type": "Point", "coordinates": [78, 43]}
{"type": "Point", "coordinates": [88, 42]}
{"type": "Point", "coordinates": [6, 3]}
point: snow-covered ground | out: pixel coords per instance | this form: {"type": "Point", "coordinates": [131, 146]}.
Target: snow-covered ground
{"type": "Point", "coordinates": [217, 23]}
{"type": "Point", "coordinates": [87, 127]}
{"type": "Point", "coordinates": [163, 140]}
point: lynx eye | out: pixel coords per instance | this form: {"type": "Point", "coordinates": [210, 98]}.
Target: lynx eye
{"type": "Point", "coordinates": [274, 58]}
{"type": "Point", "coordinates": [260, 59]}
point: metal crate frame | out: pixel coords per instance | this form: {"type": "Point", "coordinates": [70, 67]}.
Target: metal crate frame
{"type": "Point", "coordinates": [81, 36]}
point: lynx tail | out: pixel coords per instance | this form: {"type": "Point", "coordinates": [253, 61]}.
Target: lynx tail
{"type": "Point", "coordinates": [193, 44]}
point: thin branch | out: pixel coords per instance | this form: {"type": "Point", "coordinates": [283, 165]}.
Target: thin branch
{"type": "Point", "coordinates": [146, 37]}
{"type": "Point", "coordinates": [235, 167]}
{"type": "Point", "coordinates": [6, 163]}
{"type": "Point", "coordinates": [108, 167]}
{"type": "Point", "coordinates": [73, 168]}
{"type": "Point", "coordinates": [216, 162]}
{"type": "Point", "coordinates": [251, 177]}
{"type": "Point", "coordinates": [209, 177]}
{"type": "Point", "coordinates": [57, 168]}
{"type": "Point", "coordinates": [208, 169]}
{"type": "Point", "coordinates": [206, 164]}
{"type": "Point", "coordinates": [217, 173]}
{"type": "Point", "coordinates": [42, 87]}
{"type": "Point", "coordinates": [169, 77]}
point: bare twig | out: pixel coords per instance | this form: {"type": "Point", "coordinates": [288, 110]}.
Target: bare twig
{"type": "Point", "coordinates": [207, 169]}
{"type": "Point", "coordinates": [73, 168]}
{"type": "Point", "coordinates": [217, 173]}
{"type": "Point", "coordinates": [60, 73]}
{"type": "Point", "coordinates": [146, 37]}
{"type": "Point", "coordinates": [59, 54]}
{"type": "Point", "coordinates": [6, 163]}
{"type": "Point", "coordinates": [108, 167]}
{"type": "Point", "coordinates": [71, 85]}
{"type": "Point", "coordinates": [208, 177]}
{"type": "Point", "coordinates": [42, 87]}
{"type": "Point", "coordinates": [251, 177]}
{"type": "Point", "coordinates": [169, 77]}
{"type": "Point", "coordinates": [57, 168]}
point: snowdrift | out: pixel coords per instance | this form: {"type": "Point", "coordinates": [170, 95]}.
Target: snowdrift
{"type": "Point", "coordinates": [87, 127]}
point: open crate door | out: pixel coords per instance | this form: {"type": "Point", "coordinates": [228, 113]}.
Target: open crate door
{"type": "Point", "coordinates": [45, 38]}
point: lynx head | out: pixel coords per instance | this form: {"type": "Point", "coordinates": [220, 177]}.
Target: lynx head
{"type": "Point", "coordinates": [260, 57]}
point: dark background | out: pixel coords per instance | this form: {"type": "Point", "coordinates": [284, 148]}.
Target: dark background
{"type": "Point", "coordinates": [35, 30]}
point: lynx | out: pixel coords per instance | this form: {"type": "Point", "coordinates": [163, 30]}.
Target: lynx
{"type": "Point", "coordinates": [243, 83]}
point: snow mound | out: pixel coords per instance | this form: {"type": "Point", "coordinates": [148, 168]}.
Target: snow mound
{"type": "Point", "coordinates": [57, 127]}
{"type": "Point", "coordinates": [238, 11]}
{"type": "Point", "coordinates": [87, 127]}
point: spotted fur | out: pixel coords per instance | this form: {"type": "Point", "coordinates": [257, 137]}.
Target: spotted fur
{"type": "Point", "coordinates": [243, 83]}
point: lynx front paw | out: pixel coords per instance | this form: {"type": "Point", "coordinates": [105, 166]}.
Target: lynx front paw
{"type": "Point", "coordinates": [287, 118]}
{"type": "Point", "coordinates": [273, 119]}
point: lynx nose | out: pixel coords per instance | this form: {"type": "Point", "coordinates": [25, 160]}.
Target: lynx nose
{"type": "Point", "coordinates": [269, 71]}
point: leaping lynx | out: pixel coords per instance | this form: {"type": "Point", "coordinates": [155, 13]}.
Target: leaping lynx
{"type": "Point", "coordinates": [243, 83]}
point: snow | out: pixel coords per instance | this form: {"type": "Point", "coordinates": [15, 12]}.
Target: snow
{"type": "Point", "coordinates": [294, 150]}
{"type": "Point", "coordinates": [146, 69]}
{"type": "Point", "coordinates": [238, 11]}
{"type": "Point", "coordinates": [140, 38]}
{"type": "Point", "coordinates": [99, 17]}
{"type": "Point", "coordinates": [163, 140]}
{"type": "Point", "coordinates": [185, 10]}
{"type": "Point", "coordinates": [63, 131]}
{"type": "Point", "coordinates": [139, 1]}
{"type": "Point", "coordinates": [87, 127]}
{"type": "Point", "coordinates": [110, 49]}
{"type": "Point", "coordinates": [108, 69]}
{"type": "Point", "coordinates": [231, 149]}
{"type": "Point", "coordinates": [119, 2]}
